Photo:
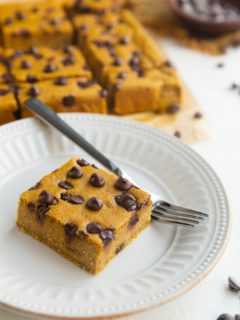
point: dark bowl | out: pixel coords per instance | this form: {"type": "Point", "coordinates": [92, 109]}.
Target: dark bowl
{"type": "Point", "coordinates": [204, 26]}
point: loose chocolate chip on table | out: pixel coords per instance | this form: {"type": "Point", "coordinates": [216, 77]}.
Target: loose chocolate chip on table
{"type": "Point", "coordinates": [38, 185]}
{"type": "Point", "coordinates": [234, 86]}
{"type": "Point", "coordinates": [173, 108]}
{"type": "Point", "coordinates": [119, 248]}
{"type": "Point", "coordinates": [96, 180]}
{"type": "Point", "coordinates": [31, 78]}
{"type": "Point", "coordinates": [134, 219]}
{"type": "Point", "coordinates": [31, 206]}
{"type": "Point", "coordinates": [124, 40]}
{"type": "Point", "coordinates": [70, 230]}
{"type": "Point", "coordinates": [82, 162]}
{"type": "Point", "coordinates": [122, 75]}
{"type": "Point", "coordinates": [103, 93]}
{"type": "Point", "coordinates": [127, 201]}
{"type": "Point", "coordinates": [47, 198]}
{"type": "Point", "coordinates": [225, 316]}
{"type": "Point", "coordinates": [33, 91]}
{"type": "Point", "coordinates": [220, 65]}
{"type": "Point", "coordinates": [106, 235]}
{"type": "Point", "coordinates": [122, 184]}
{"type": "Point", "coordinates": [233, 284]}
{"type": "Point", "coordinates": [25, 64]}
{"type": "Point", "coordinates": [41, 212]}
{"type": "Point", "coordinates": [197, 115]}
{"type": "Point", "coordinates": [3, 92]}
{"type": "Point", "coordinates": [49, 68]}
{"type": "Point", "coordinates": [75, 199]}
{"type": "Point", "coordinates": [75, 173]}
{"type": "Point", "coordinates": [177, 134]}
{"type": "Point", "coordinates": [94, 204]}
{"type": "Point", "coordinates": [65, 196]}
{"type": "Point", "coordinates": [94, 228]}
{"type": "Point", "coordinates": [60, 81]}
{"type": "Point", "coordinates": [68, 101]}
{"type": "Point", "coordinates": [65, 185]}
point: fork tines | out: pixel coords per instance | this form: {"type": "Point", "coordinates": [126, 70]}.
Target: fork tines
{"type": "Point", "coordinates": [168, 213]}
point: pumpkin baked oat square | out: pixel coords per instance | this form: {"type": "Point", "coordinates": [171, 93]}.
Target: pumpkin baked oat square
{"type": "Point", "coordinates": [88, 215]}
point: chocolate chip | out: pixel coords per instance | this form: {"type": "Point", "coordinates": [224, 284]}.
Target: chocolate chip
{"type": "Point", "coordinates": [122, 75]}
{"type": "Point", "coordinates": [93, 228]}
{"type": "Point", "coordinates": [86, 84]}
{"type": "Point", "coordinates": [67, 49]}
{"type": "Point", "coordinates": [54, 21]}
{"type": "Point", "coordinates": [3, 92]}
{"type": "Point", "coordinates": [49, 68]}
{"type": "Point", "coordinates": [94, 166]}
{"type": "Point", "coordinates": [233, 284]}
{"type": "Point", "coordinates": [237, 317]}
{"type": "Point", "coordinates": [106, 235]}
{"type": "Point", "coordinates": [103, 93]}
{"type": "Point", "coordinates": [110, 26]}
{"type": "Point", "coordinates": [24, 33]}
{"type": "Point", "coordinates": [167, 64]}
{"type": "Point", "coordinates": [60, 81]}
{"type": "Point", "coordinates": [124, 40]}
{"type": "Point", "coordinates": [70, 60]}
{"type": "Point", "coordinates": [234, 86]}
{"type": "Point", "coordinates": [31, 206]}
{"type": "Point", "coordinates": [65, 196]}
{"type": "Point", "coordinates": [47, 198]}
{"type": "Point", "coordinates": [65, 185]}
{"type": "Point", "coordinates": [220, 65]}
{"type": "Point", "coordinates": [33, 50]}
{"type": "Point", "coordinates": [117, 62]}
{"type": "Point", "coordinates": [33, 91]}
{"type": "Point", "coordinates": [8, 21]}
{"type": "Point", "coordinates": [117, 86]}
{"type": "Point", "coordinates": [82, 162]}
{"type": "Point", "coordinates": [127, 201]}
{"type": "Point", "coordinates": [20, 15]}
{"type": "Point", "coordinates": [112, 52]}
{"type": "Point", "coordinates": [25, 64]}
{"type": "Point", "coordinates": [173, 108]}
{"type": "Point", "coordinates": [31, 78]}
{"type": "Point", "coordinates": [68, 101]}
{"type": "Point", "coordinates": [41, 212]}
{"type": "Point", "coordinates": [96, 180]}
{"type": "Point", "coordinates": [119, 248]}
{"type": "Point", "coordinates": [35, 9]}
{"type": "Point", "coordinates": [38, 185]}
{"type": "Point", "coordinates": [225, 316]}
{"type": "Point", "coordinates": [197, 115]}
{"type": "Point", "coordinates": [177, 134]}
{"type": "Point", "coordinates": [123, 184]}
{"type": "Point", "coordinates": [7, 77]}
{"type": "Point", "coordinates": [70, 230]}
{"type": "Point", "coordinates": [134, 219]}
{"type": "Point", "coordinates": [75, 199]}
{"type": "Point", "coordinates": [83, 26]}
{"type": "Point", "coordinates": [94, 204]}
{"type": "Point", "coordinates": [75, 173]}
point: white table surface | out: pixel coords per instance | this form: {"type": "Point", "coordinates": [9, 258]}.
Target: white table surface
{"type": "Point", "coordinates": [222, 107]}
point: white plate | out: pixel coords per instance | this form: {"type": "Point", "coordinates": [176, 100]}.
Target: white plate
{"type": "Point", "coordinates": [162, 263]}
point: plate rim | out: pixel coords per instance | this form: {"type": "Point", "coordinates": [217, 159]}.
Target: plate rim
{"type": "Point", "coordinates": [24, 123]}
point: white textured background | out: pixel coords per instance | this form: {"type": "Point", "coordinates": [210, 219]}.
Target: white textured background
{"type": "Point", "coordinates": [222, 106]}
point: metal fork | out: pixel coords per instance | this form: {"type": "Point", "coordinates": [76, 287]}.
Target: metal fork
{"type": "Point", "coordinates": [162, 211]}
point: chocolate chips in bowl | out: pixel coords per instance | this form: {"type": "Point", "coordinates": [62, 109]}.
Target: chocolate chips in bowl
{"type": "Point", "coordinates": [209, 17]}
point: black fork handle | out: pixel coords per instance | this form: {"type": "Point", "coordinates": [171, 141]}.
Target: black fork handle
{"type": "Point", "coordinates": [46, 114]}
